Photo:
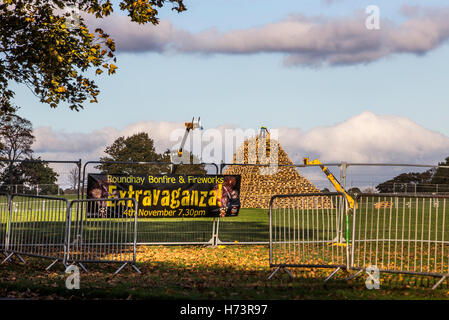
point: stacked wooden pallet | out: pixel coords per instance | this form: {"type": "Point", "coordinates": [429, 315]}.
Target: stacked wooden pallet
{"type": "Point", "coordinates": [384, 205]}
{"type": "Point", "coordinates": [259, 184]}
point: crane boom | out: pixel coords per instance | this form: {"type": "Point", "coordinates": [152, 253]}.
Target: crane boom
{"type": "Point", "coordinates": [332, 179]}
{"type": "Point", "coordinates": [176, 157]}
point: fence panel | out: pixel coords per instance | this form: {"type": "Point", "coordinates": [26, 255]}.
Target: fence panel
{"type": "Point", "coordinates": [161, 231]}
{"type": "Point", "coordinates": [99, 234]}
{"type": "Point", "coordinates": [259, 183]}
{"type": "Point", "coordinates": [4, 214]}
{"type": "Point", "coordinates": [401, 233]}
{"type": "Point", "coordinates": [176, 231]}
{"type": "Point", "coordinates": [308, 230]}
{"type": "Point", "coordinates": [37, 226]}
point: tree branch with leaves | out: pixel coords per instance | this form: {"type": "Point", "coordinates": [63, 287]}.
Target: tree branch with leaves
{"type": "Point", "coordinates": [38, 47]}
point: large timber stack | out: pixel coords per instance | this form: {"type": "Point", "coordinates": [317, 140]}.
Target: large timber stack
{"type": "Point", "coordinates": [260, 183]}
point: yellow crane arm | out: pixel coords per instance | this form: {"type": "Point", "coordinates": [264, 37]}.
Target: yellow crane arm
{"type": "Point", "coordinates": [332, 179]}
{"type": "Point", "coordinates": [189, 127]}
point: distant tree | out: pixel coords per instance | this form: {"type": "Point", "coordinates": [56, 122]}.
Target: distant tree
{"type": "Point", "coordinates": [73, 178]}
{"type": "Point", "coordinates": [193, 165]}
{"type": "Point", "coordinates": [6, 106]}
{"type": "Point", "coordinates": [405, 181]}
{"type": "Point", "coordinates": [31, 175]}
{"type": "Point", "coordinates": [16, 139]}
{"type": "Point", "coordinates": [138, 147]}
{"type": "Point", "coordinates": [41, 175]}
{"type": "Point", "coordinates": [441, 177]}
{"type": "Point", "coordinates": [369, 190]}
{"type": "Point", "coordinates": [353, 191]}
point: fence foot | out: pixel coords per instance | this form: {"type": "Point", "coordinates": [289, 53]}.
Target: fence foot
{"type": "Point", "coordinates": [332, 274]}
{"type": "Point", "coordinates": [354, 275]}
{"type": "Point", "coordinates": [212, 243]}
{"type": "Point", "coordinates": [121, 268]}
{"type": "Point", "coordinates": [279, 269]}
{"type": "Point", "coordinates": [11, 255]}
{"type": "Point", "coordinates": [124, 265]}
{"type": "Point", "coordinates": [20, 258]}
{"type": "Point", "coordinates": [83, 267]}
{"type": "Point", "coordinates": [289, 273]}
{"type": "Point", "coordinates": [51, 265]}
{"type": "Point", "coordinates": [7, 258]}
{"type": "Point", "coordinates": [135, 268]}
{"type": "Point", "coordinates": [440, 281]}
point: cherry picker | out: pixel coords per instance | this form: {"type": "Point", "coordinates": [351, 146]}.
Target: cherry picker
{"type": "Point", "coordinates": [339, 240]}
{"type": "Point", "coordinates": [177, 156]}
{"type": "Point", "coordinates": [338, 187]}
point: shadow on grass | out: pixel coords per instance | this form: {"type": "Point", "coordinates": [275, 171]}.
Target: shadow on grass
{"type": "Point", "coordinates": [168, 280]}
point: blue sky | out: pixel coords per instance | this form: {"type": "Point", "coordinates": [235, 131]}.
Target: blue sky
{"type": "Point", "coordinates": [250, 89]}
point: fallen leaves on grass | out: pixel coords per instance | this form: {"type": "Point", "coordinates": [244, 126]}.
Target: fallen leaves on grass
{"type": "Point", "coordinates": [195, 272]}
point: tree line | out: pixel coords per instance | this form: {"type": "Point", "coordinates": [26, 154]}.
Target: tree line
{"type": "Point", "coordinates": [19, 166]}
{"type": "Point", "coordinates": [16, 139]}
{"type": "Point", "coordinates": [431, 180]}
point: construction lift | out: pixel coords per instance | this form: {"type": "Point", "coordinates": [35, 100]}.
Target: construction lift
{"type": "Point", "coordinates": [339, 240]}
{"type": "Point", "coordinates": [177, 156]}
{"type": "Point", "coordinates": [338, 187]}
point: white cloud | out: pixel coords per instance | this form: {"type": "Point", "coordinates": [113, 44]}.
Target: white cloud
{"type": "Point", "coordinates": [311, 41]}
{"type": "Point", "coordinates": [370, 138]}
{"type": "Point", "coordinates": [366, 137]}
{"type": "Point", "coordinates": [53, 145]}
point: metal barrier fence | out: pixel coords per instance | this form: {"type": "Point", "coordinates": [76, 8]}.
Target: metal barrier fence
{"type": "Point", "coordinates": [160, 231]}
{"type": "Point", "coordinates": [308, 230]}
{"type": "Point", "coordinates": [37, 227]}
{"type": "Point", "coordinates": [259, 183]}
{"type": "Point", "coordinates": [102, 234]}
{"type": "Point", "coordinates": [402, 234]}
{"type": "Point", "coordinates": [79, 231]}
{"type": "Point", "coordinates": [407, 234]}
{"type": "Point", "coordinates": [250, 227]}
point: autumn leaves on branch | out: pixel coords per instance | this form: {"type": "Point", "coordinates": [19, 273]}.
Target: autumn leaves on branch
{"type": "Point", "coordinates": [39, 48]}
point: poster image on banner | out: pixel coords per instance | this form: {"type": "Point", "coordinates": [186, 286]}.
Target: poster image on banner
{"type": "Point", "coordinates": [164, 196]}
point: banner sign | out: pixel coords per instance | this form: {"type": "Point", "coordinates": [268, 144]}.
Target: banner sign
{"type": "Point", "coordinates": [165, 196]}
